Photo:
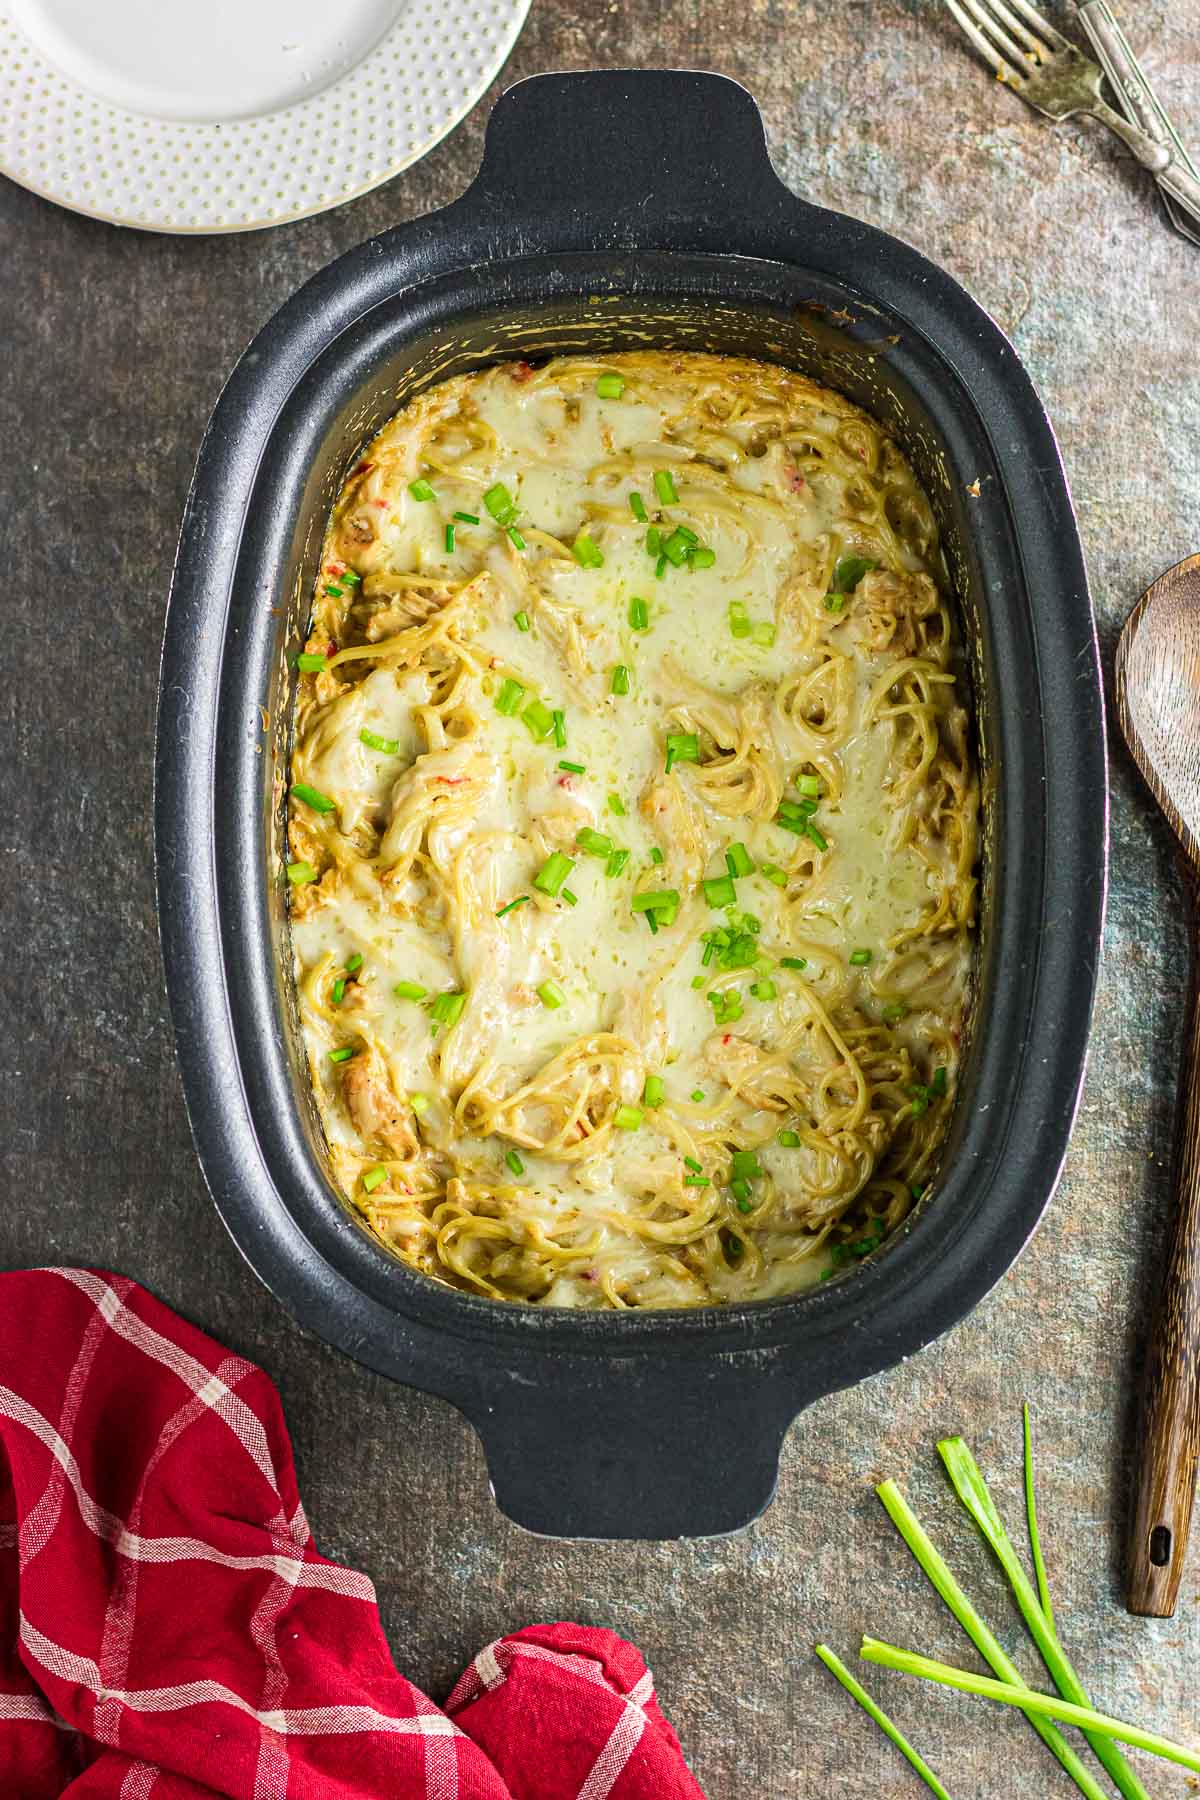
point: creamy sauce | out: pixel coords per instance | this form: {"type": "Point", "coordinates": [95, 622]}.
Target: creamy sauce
{"type": "Point", "coordinates": [580, 1132]}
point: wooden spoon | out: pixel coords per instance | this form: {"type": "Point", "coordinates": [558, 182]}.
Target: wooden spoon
{"type": "Point", "coordinates": [1158, 705]}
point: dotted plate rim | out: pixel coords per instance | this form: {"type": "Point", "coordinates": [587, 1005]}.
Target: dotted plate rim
{"type": "Point", "coordinates": [434, 94]}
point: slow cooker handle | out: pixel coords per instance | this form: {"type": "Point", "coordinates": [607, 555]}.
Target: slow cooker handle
{"type": "Point", "coordinates": [625, 1449]}
{"type": "Point", "coordinates": [625, 159]}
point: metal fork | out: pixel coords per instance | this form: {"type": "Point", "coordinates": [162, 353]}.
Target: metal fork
{"type": "Point", "coordinates": [1047, 70]}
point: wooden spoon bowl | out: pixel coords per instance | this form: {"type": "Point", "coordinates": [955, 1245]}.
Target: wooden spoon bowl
{"type": "Point", "coordinates": [1158, 707]}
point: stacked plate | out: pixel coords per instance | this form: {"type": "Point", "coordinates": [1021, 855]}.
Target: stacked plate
{"type": "Point", "coordinates": [239, 113]}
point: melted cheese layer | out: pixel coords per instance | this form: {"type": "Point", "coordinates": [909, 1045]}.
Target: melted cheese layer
{"type": "Point", "coordinates": [618, 1106]}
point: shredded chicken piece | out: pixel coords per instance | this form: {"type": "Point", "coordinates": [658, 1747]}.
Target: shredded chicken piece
{"type": "Point", "coordinates": [378, 1116]}
{"type": "Point", "coordinates": [764, 1080]}
{"type": "Point", "coordinates": [405, 606]}
{"type": "Point", "coordinates": [683, 833]}
{"type": "Point", "coordinates": [890, 606]}
{"type": "Point", "coordinates": [437, 798]}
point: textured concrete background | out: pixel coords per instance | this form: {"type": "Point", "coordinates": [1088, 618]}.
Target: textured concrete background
{"type": "Point", "coordinates": [115, 345]}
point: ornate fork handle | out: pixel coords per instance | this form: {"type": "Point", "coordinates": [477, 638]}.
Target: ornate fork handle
{"type": "Point", "coordinates": [1151, 152]}
{"type": "Point", "coordinates": [1178, 177]}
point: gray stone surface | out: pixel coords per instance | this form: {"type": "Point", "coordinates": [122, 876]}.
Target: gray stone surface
{"type": "Point", "coordinates": [115, 345]}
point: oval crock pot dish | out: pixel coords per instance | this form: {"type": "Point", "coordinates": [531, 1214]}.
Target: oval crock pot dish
{"type": "Point", "coordinates": [633, 832]}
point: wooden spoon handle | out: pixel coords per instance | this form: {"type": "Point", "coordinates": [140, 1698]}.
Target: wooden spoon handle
{"type": "Point", "coordinates": [1169, 1444]}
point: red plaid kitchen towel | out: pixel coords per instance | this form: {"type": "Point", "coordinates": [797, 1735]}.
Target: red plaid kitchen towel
{"type": "Point", "coordinates": [169, 1632]}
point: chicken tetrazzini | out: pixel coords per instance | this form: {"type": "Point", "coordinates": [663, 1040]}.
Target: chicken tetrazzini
{"type": "Point", "coordinates": [633, 831]}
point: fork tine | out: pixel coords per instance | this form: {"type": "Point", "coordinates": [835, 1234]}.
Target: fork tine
{"type": "Point", "coordinates": [996, 32]}
{"type": "Point", "coordinates": [1042, 26]}
{"type": "Point", "coordinates": [986, 50]}
{"type": "Point", "coordinates": [1023, 35]}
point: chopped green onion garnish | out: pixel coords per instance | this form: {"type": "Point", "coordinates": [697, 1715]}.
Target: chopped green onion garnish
{"type": "Point", "coordinates": [421, 490]}
{"type": "Point", "coordinates": [616, 805]}
{"type": "Point", "coordinates": [509, 696]}
{"type": "Point", "coordinates": [763, 989]}
{"type": "Point", "coordinates": [573, 768]}
{"type": "Point", "coordinates": [354, 963]}
{"type": "Point", "coordinates": [351, 578]}
{"type": "Point", "coordinates": [330, 588]}
{"type": "Point", "coordinates": [610, 387]}
{"type": "Point", "coordinates": [859, 959]}
{"type": "Point", "coordinates": [808, 784]}
{"type": "Point", "coordinates": [817, 838]}
{"type": "Point", "coordinates": [538, 720]}
{"type": "Point", "coordinates": [702, 557]}
{"type": "Point", "coordinates": [419, 1102]}
{"type": "Point", "coordinates": [344, 1054]}
{"type": "Point", "coordinates": [409, 990]}
{"type": "Point", "coordinates": [319, 802]}
{"type": "Point", "coordinates": [587, 552]}
{"type": "Point", "coordinates": [687, 534]}
{"type": "Point", "coordinates": [468, 518]}
{"type": "Point", "coordinates": [743, 1165]}
{"type": "Point", "coordinates": [682, 746]}
{"type": "Point", "coordinates": [698, 981]}
{"type": "Point", "coordinates": [515, 538]}
{"type": "Point", "coordinates": [793, 962]}
{"type": "Point", "coordinates": [938, 1084]}
{"type": "Point", "coordinates": [616, 863]}
{"type": "Point", "coordinates": [301, 873]}
{"type": "Point", "coordinates": [695, 1181]}
{"type": "Point", "coordinates": [596, 843]}
{"type": "Point", "coordinates": [521, 621]}
{"type": "Point", "coordinates": [628, 1118]}
{"type": "Point", "coordinates": [499, 503]}
{"type": "Point", "coordinates": [676, 548]}
{"type": "Point", "coordinates": [551, 995]}
{"type": "Point", "coordinates": [741, 1193]}
{"type": "Point", "coordinates": [654, 1091]}
{"type": "Point", "coordinates": [447, 1008]}
{"type": "Point", "coordinates": [339, 990]}
{"type": "Point", "coordinates": [848, 572]}
{"type": "Point", "coordinates": [660, 568]}
{"type": "Point", "coordinates": [763, 632]}
{"type": "Point", "coordinates": [737, 860]}
{"type": "Point", "coordinates": [697, 1095]}
{"type": "Point", "coordinates": [570, 898]}
{"type": "Point", "coordinates": [637, 507]}
{"type": "Point", "coordinates": [639, 614]}
{"type": "Point", "coordinates": [653, 541]}
{"type": "Point", "coordinates": [450, 539]}
{"type": "Point", "coordinates": [514, 1162]}
{"type": "Point", "coordinates": [512, 906]}
{"type": "Point", "coordinates": [773, 873]}
{"type": "Point", "coordinates": [373, 741]}
{"type": "Point", "coordinates": [311, 662]}
{"type": "Point", "coordinates": [834, 602]}
{"type": "Point", "coordinates": [620, 679]}
{"type": "Point", "coordinates": [654, 900]}
{"type": "Point", "coordinates": [656, 855]}
{"type": "Point", "coordinates": [560, 729]}
{"type": "Point", "coordinates": [373, 1178]}
{"type": "Point", "coordinates": [739, 619]}
{"type": "Point", "coordinates": [894, 1011]}
{"type": "Point", "coordinates": [789, 1139]}
{"type": "Point", "coordinates": [697, 1168]}
{"type": "Point", "coordinates": [553, 873]}
{"type": "Point", "coordinates": [664, 487]}
{"type": "Point", "coordinates": [719, 891]}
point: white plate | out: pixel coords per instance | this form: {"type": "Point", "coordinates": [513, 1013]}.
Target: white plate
{"type": "Point", "coordinates": [228, 115]}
